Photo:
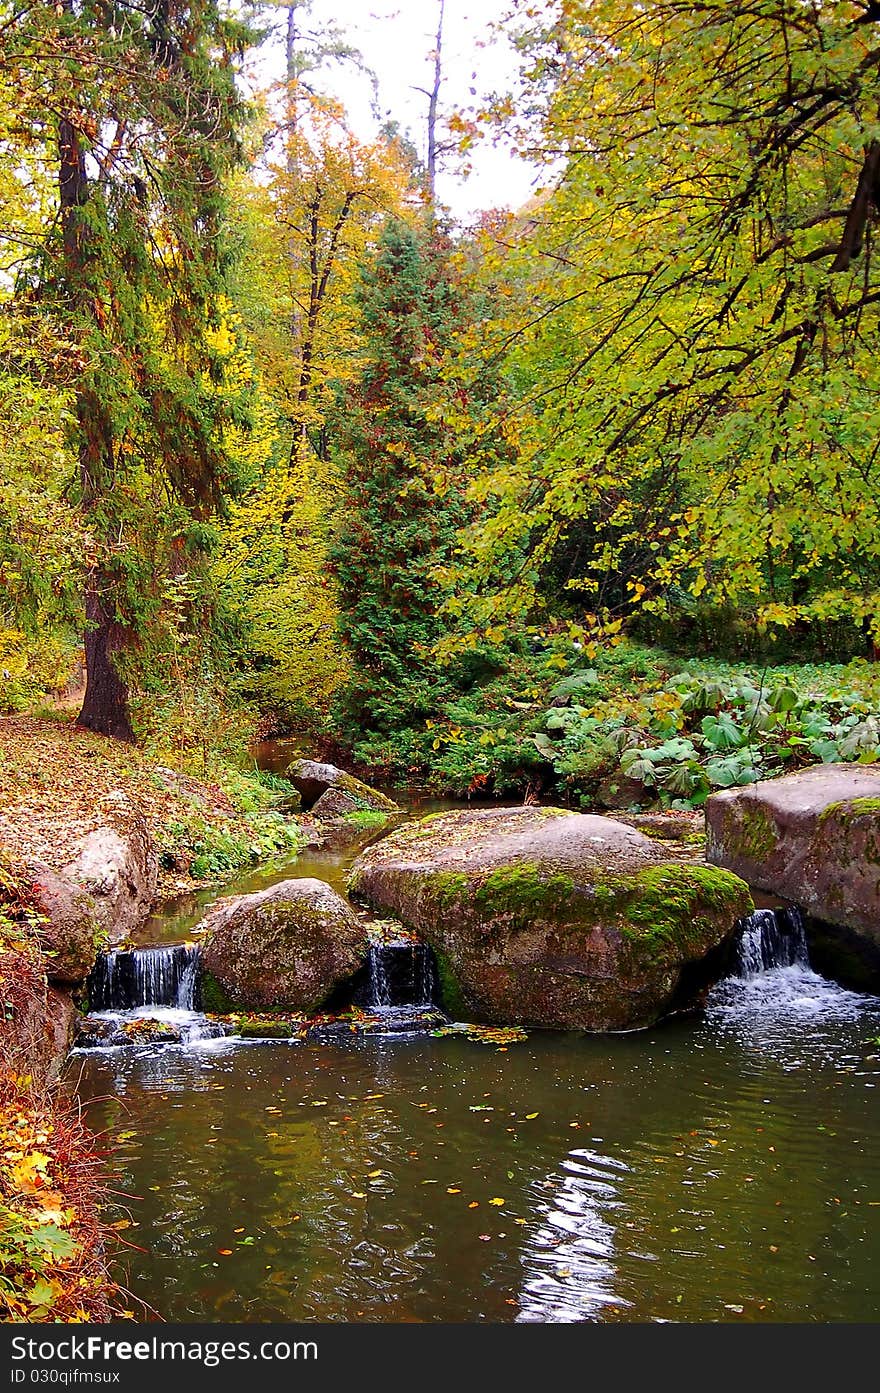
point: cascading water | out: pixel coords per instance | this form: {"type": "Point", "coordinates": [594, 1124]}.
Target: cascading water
{"type": "Point", "coordinates": [400, 986]}
{"type": "Point", "coordinates": [146, 995]}
{"type": "Point", "coordinates": [773, 998]}
{"type": "Point", "coordinates": [122, 980]}
{"type": "Point", "coordinates": [401, 974]}
{"type": "Point", "coordinates": [772, 938]}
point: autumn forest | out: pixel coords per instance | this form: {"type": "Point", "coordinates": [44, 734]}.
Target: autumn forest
{"type": "Point", "coordinates": [325, 506]}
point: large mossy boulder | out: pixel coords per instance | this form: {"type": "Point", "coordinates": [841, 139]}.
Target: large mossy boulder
{"type": "Point", "coordinates": [284, 949]}
{"type": "Point", "coordinates": [542, 917]}
{"type": "Point", "coordinates": [117, 863]}
{"type": "Point", "coordinates": [329, 792]}
{"type": "Point", "coordinates": [812, 837]}
{"type": "Point", "coordinates": [66, 922]}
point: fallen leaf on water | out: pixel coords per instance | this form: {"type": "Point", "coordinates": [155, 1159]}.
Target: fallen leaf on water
{"type": "Point", "coordinates": [225, 1252]}
{"type": "Point", "coordinates": [374, 1175]}
{"type": "Point", "coordinates": [497, 1200]}
{"type": "Point", "coordinates": [530, 1116]}
{"type": "Point", "coordinates": [121, 1224]}
{"type": "Point", "coordinates": [238, 1230]}
{"type": "Point", "coordinates": [474, 1204]}
{"type": "Point", "coordinates": [358, 1194]}
{"type": "Point", "coordinates": [451, 1190]}
{"type": "Point", "coordinates": [520, 1221]}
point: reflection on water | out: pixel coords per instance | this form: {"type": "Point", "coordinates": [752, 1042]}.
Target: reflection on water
{"type": "Point", "coordinates": [569, 1262]}
{"type": "Point", "coordinates": [718, 1170]}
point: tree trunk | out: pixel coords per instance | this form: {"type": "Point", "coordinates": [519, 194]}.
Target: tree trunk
{"type": "Point", "coordinates": [433, 101]}
{"type": "Point", "coordinates": [105, 706]}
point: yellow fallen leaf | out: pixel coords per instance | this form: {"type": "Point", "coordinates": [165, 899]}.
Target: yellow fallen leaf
{"type": "Point", "coordinates": [451, 1190]}
{"type": "Point", "coordinates": [121, 1224]}
{"type": "Point", "coordinates": [374, 1175]}
{"type": "Point", "coordinates": [358, 1194]}
{"type": "Point", "coordinates": [474, 1204]}
{"type": "Point", "coordinates": [497, 1200]}
{"type": "Point", "coordinates": [530, 1116]}
{"type": "Point", "coordinates": [520, 1221]}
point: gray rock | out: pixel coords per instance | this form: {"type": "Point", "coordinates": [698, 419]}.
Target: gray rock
{"type": "Point", "coordinates": [283, 949]}
{"type": "Point", "coordinates": [118, 864]}
{"type": "Point", "coordinates": [312, 782]}
{"type": "Point", "coordinates": [813, 838]}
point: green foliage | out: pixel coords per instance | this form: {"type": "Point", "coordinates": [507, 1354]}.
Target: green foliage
{"type": "Point", "coordinates": [399, 520]}
{"type": "Point", "coordinates": [690, 320]}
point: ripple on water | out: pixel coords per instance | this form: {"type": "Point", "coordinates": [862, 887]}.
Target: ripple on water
{"type": "Point", "coordinates": [793, 1014]}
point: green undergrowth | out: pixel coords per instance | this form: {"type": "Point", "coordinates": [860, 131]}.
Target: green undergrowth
{"type": "Point", "coordinates": [208, 845]}
{"type": "Point", "coordinates": [632, 726]}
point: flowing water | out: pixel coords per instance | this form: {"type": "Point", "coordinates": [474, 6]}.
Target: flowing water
{"type": "Point", "coordinates": [177, 919]}
{"type": "Point", "coordinates": [725, 1168]}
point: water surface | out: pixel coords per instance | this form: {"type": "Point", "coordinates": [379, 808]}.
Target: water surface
{"type": "Point", "coordinates": [720, 1169]}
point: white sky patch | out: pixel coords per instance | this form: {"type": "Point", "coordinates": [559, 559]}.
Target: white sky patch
{"type": "Point", "coordinates": [397, 42]}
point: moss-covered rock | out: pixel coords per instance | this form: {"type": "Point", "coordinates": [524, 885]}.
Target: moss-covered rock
{"type": "Point", "coordinates": [266, 1030]}
{"type": "Point", "coordinates": [331, 793]}
{"type": "Point", "coordinates": [813, 838]}
{"type": "Point", "coordinates": [285, 948]}
{"type": "Point", "coordinates": [548, 918]}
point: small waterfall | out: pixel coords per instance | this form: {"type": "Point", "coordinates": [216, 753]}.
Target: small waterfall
{"type": "Point", "coordinates": [401, 975]}
{"type": "Point", "coordinates": [123, 980]}
{"type": "Point", "coordinates": [772, 938]}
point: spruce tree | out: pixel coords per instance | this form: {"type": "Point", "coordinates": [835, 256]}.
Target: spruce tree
{"type": "Point", "coordinates": [147, 129]}
{"type": "Point", "coordinates": [403, 481]}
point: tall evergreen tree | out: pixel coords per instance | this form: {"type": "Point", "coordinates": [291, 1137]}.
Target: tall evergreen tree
{"type": "Point", "coordinates": [403, 478]}
{"type": "Point", "coordinates": [146, 121]}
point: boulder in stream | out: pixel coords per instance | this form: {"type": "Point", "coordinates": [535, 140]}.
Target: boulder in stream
{"type": "Point", "coordinates": [813, 838]}
{"type": "Point", "coordinates": [543, 917]}
{"type": "Point", "coordinates": [285, 948]}
{"type": "Point", "coordinates": [329, 792]}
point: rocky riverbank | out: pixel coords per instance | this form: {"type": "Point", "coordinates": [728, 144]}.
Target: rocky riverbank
{"type": "Point", "coordinates": [92, 835]}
